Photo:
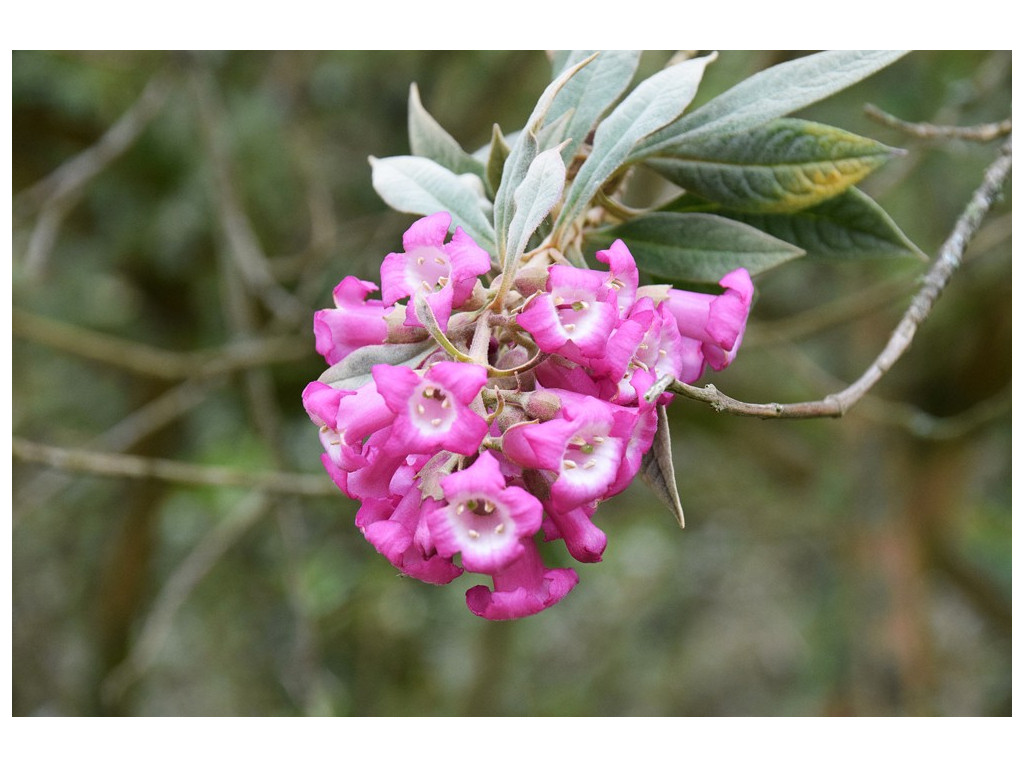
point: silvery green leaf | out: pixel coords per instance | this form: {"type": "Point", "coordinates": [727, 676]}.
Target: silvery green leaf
{"type": "Point", "coordinates": [775, 92]}
{"type": "Point", "coordinates": [592, 92]}
{"type": "Point", "coordinates": [421, 186]}
{"type": "Point", "coordinates": [523, 151]}
{"type": "Point", "coordinates": [559, 61]}
{"type": "Point", "coordinates": [778, 167]}
{"type": "Point", "coordinates": [534, 199]}
{"type": "Point", "coordinates": [354, 370]}
{"type": "Point", "coordinates": [695, 247]}
{"type": "Point", "coordinates": [517, 165]}
{"type": "Point", "coordinates": [428, 139]}
{"type": "Point", "coordinates": [657, 470]}
{"type": "Point", "coordinates": [552, 132]}
{"type": "Point", "coordinates": [654, 103]}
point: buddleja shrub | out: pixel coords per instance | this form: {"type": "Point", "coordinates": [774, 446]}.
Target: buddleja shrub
{"type": "Point", "coordinates": [500, 388]}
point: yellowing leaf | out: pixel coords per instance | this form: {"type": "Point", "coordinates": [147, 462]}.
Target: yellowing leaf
{"type": "Point", "coordinates": [779, 167]}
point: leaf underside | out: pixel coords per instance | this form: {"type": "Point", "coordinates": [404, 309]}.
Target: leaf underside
{"type": "Point", "coordinates": [355, 369]}
{"type": "Point", "coordinates": [657, 470]}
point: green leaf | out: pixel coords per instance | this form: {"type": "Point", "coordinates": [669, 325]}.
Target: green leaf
{"type": "Point", "coordinates": [517, 165]}
{"type": "Point", "coordinates": [695, 247]}
{"type": "Point", "coordinates": [534, 199]}
{"type": "Point", "coordinates": [657, 101]}
{"type": "Point", "coordinates": [523, 151]}
{"type": "Point", "coordinates": [354, 370]}
{"type": "Point", "coordinates": [657, 470]}
{"type": "Point", "coordinates": [778, 167]}
{"type": "Point", "coordinates": [849, 226]}
{"type": "Point", "coordinates": [421, 186]}
{"type": "Point", "coordinates": [428, 139]}
{"type": "Point", "coordinates": [773, 93]}
{"type": "Point", "coordinates": [496, 159]}
{"type": "Point", "coordinates": [592, 92]}
{"type": "Point", "coordinates": [559, 61]}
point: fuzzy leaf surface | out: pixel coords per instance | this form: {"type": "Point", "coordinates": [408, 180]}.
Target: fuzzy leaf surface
{"type": "Point", "coordinates": [534, 199]}
{"type": "Point", "coordinates": [695, 247]}
{"type": "Point", "coordinates": [421, 186]}
{"type": "Point", "coordinates": [654, 103]}
{"type": "Point", "coordinates": [355, 369]}
{"type": "Point", "coordinates": [775, 92]}
{"type": "Point", "coordinates": [778, 167]}
{"type": "Point", "coordinates": [428, 139]}
{"type": "Point", "coordinates": [521, 154]}
{"type": "Point", "coordinates": [592, 92]}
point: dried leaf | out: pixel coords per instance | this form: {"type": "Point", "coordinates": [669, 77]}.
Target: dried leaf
{"type": "Point", "coordinates": [657, 470]}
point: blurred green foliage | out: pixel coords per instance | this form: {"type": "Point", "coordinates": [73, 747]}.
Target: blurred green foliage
{"type": "Point", "coordinates": [858, 566]}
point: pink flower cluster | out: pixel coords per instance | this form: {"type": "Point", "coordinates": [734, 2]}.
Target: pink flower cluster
{"type": "Point", "coordinates": [529, 412]}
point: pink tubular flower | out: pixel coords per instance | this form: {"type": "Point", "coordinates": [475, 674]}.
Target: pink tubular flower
{"type": "Point", "coordinates": [346, 418]}
{"type": "Point", "coordinates": [444, 274]}
{"type": "Point", "coordinates": [483, 520]}
{"type": "Point", "coordinates": [623, 276]}
{"type": "Point", "coordinates": [558, 373]}
{"type": "Point", "coordinates": [399, 532]}
{"type": "Point", "coordinates": [382, 462]}
{"type": "Point", "coordinates": [654, 348]}
{"type": "Point", "coordinates": [638, 443]}
{"type": "Point", "coordinates": [524, 588]}
{"type": "Point", "coordinates": [355, 323]}
{"type": "Point", "coordinates": [575, 317]}
{"type": "Point", "coordinates": [584, 448]}
{"type": "Point", "coordinates": [432, 410]}
{"type": "Point", "coordinates": [717, 322]}
{"type": "Point", "coordinates": [584, 540]}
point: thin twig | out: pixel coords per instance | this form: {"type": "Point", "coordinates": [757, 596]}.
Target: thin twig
{"type": "Point", "coordinates": [153, 361]}
{"type": "Point", "coordinates": [302, 676]}
{"type": "Point", "coordinates": [925, 426]}
{"type": "Point", "coordinates": [243, 244]}
{"type": "Point", "coordinates": [178, 587]}
{"type": "Point", "coordinates": [983, 132]}
{"type": "Point", "coordinates": [57, 193]}
{"type": "Point", "coordinates": [123, 465]}
{"type": "Point", "coordinates": [984, 80]}
{"type": "Point", "coordinates": [920, 307]}
{"type": "Point", "coordinates": [123, 436]}
{"type": "Point", "coordinates": [323, 224]}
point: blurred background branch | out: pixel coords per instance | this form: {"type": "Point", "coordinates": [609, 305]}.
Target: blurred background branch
{"type": "Point", "coordinates": [145, 360]}
{"type": "Point", "coordinates": [54, 196]}
{"type": "Point", "coordinates": [985, 132]}
{"type": "Point", "coordinates": [124, 465]}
